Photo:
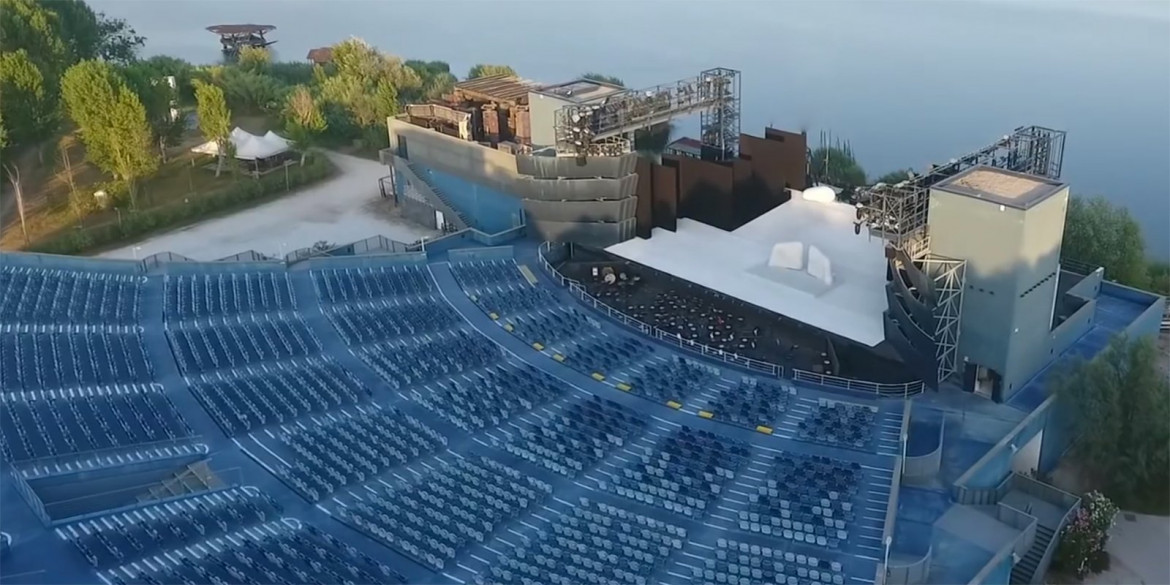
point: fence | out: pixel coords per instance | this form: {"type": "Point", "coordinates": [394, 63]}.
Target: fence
{"type": "Point", "coordinates": [559, 252]}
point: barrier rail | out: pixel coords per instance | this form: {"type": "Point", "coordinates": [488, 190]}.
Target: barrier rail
{"type": "Point", "coordinates": [861, 386]}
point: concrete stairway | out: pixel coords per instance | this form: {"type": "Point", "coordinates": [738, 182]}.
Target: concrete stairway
{"type": "Point", "coordinates": [1024, 572]}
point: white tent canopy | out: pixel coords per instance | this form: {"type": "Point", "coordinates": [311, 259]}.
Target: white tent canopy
{"type": "Point", "coordinates": [248, 146]}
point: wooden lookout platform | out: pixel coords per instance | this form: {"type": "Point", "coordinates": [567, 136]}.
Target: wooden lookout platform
{"type": "Point", "coordinates": [233, 37]}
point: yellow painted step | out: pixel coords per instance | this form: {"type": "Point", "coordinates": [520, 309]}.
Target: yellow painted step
{"type": "Point", "coordinates": [706, 414]}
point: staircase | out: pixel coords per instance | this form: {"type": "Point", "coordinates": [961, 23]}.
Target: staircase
{"type": "Point", "coordinates": [1024, 572]}
{"type": "Point", "coordinates": [458, 218]}
{"type": "Point", "coordinates": [196, 477]}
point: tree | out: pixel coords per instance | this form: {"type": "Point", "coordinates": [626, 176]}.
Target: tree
{"type": "Point", "coordinates": [895, 177]}
{"type": "Point", "coordinates": [157, 96]}
{"type": "Point", "coordinates": [835, 165]}
{"type": "Point", "coordinates": [485, 70]}
{"type": "Point", "coordinates": [1159, 278]}
{"type": "Point", "coordinates": [1118, 405]}
{"type": "Point", "coordinates": [1082, 541]}
{"type": "Point", "coordinates": [26, 106]}
{"type": "Point", "coordinates": [215, 120]}
{"type": "Point", "coordinates": [303, 119]}
{"type": "Point", "coordinates": [1101, 233]}
{"type": "Point", "coordinates": [436, 76]}
{"type": "Point", "coordinates": [251, 92]}
{"type": "Point", "coordinates": [367, 85]}
{"type": "Point", "coordinates": [28, 25]}
{"type": "Point", "coordinates": [603, 78]}
{"type": "Point", "coordinates": [254, 59]}
{"type": "Point", "coordinates": [112, 121]}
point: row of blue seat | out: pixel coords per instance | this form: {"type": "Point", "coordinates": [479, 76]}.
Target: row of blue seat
{"type": "Point", "coordinates": [123, 537]}
{"type": "Point", "coordinates": [359, 284]}
{"type": "Point", "coordinates": [488, 398]}
{"type": "Point", "coordinates": [203, 346]}
{"type": "Point", "coordinates": [684, 473]}
{"type": "Point", "coordinates": [48, 296]}
{"type": "Point", "coordinates": [594, 543]}
{"type": "Point", "coordinates": [840, 424]}
{"type": "Point", "coordinates": [61, 422]}
{"type": "Point", "coordinates": [606, 355]}
{"type": "Point", "coordinates": [42, 361]}
{"type": "Point", "coordinates": [422, 360]}
{"type": "Point", "coordinates": [373, 322]}
{"type": "Point", "coordinates": [215, 295]}
{"type": "Point", "coordinates": [513, 299]}
{"type": "Point", "coordinates": [673, 380]}
{"type": "Point", "coordinates": [573, 441]}
{"type": "Point", "coordinates": [436, 517]}
{"type": "Point", "coordinates": [254, 396]}
{"type": "Point", "coordinates": [753, 402]}
{"type": "Point", "coordinates": [551, 326]}
{"type": "Point", "coordinates": [742, 563]}
{"type": "Point", "coordinates": [284, 551]}
{"type": "Point", "coordinates": [807, 499]}
{"type": "Point", "coordinates": [346, 449]}
{"type": "Point", "coordinates": [478, 274]}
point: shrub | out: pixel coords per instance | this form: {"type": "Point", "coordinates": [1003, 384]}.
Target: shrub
{"type": "Point", "coordinates": [1082, 542]}
{"type": "Point", "coordinates": [137, 224]}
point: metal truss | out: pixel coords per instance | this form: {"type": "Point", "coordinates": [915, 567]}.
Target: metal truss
{"type": "Point", "coordinates": [719, 124]}
{"type": "Point", "coordinates": [947, 277]}
{"type": "Point", "coordinates": [898, 213]}
{"type": "Point", "coordinates": [583, 129]}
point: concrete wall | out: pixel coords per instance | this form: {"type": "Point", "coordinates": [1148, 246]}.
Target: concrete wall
{"type": "Point", "coordinates": [487, 209]}
{"type": "Point", "coordinates": [581, 211]}
{"type": "Point", "coordinates": [34, 260]}
{"type": "Point", "coordinates": [598, 235]}
{"type": "Point", "coordinates": [542, 111]}
{"type": "Point", "coordinates": [1088, 287]}
{"type": "Point", "coordinates": [468, 160]}
{"type": "Point", "coordinates": [550, 167]}
{"type": "Point", "coordinates": [977, 486]}
{"type": "Point", "coordinates": [577, 189]}
{"type": "Point", "coordinates": [1148, 322]}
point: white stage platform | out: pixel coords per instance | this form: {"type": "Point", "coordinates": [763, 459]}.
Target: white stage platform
{"type": "Point", "coordinates": [778, 262]}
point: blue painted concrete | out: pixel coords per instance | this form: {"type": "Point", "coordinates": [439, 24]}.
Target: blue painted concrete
{"type": "Point", "coordinates": [488, 210]}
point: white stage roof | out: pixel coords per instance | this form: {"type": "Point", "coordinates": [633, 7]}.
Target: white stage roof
{"type": "Point", "coordinates": [848, 299]}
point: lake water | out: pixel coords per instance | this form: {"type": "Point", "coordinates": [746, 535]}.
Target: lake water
{"type": "Point", "coordinates": [906, 83]}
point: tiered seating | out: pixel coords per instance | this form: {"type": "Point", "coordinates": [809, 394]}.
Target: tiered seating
{"type": "Point", "coordinates": [284, 551]}
{"type": "Point", "coordinates": [840, 424]}
{"type": "Point", "coordinates": [485, 273]}
{"type": "Point", "coordinates": [215, 295]}
{"type": "Point", "coordinates": [551, 326]}
{"type": "Point", "coordinates": [514, 298]}
{"type": "Point", "coordinates": [37, 296]}
{"type": "Point", "coordinates": [683, 474]}
{"type": "Point", "coordinates": [351, 449]}
{"type": "Point", "coordinates": [127, 536]}
{"type": "Point", "coordinates": [259, 395]}
{"type": "Point", "coordinates": [490, 397]}
{"type": "Point", "coordinates": [753, 402]}
{"type": "Point", "coordinates": [359, 284]}
{"type": "Point", "coordinates": [607, 354]}
{"type": "Point", "coordinates": [37, 424]}
{"type": "Point", "coordinates": [806, 498]}
{"type": "Point", "coordinates": [575, 440]}
{"type": "Point", "coordinates": [416, 361]}
{"type": "Point", "coordinates": [594, 543]}
{"type": "Point", "coordinates": [79, 356]}
{"type": "Point", "coordinates": [233, 342]}
{"type": "Point", "coordinates": [741, 563]}
{"type": "Point", "coordinates": [674, 380]}
{"type": "Point", "coordinates": [365, 323]}
{"type": "Point", "coordinates": [434, 518]}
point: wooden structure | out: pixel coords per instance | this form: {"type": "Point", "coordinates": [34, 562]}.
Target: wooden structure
{"type": "Point", "coordinates": [320, 55]}
{"type": "Point", "coordinates": [496, 107]}
{"type": "Point", "coordinates": [233, 37]}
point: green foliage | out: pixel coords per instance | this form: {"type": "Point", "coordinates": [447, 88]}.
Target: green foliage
{"type": "Point", "coordinates": [215, 120]}
{"type": "Point", "coordinates": [156, 96]}
{"type": "Point", "coordinates": [29, 25]}
{"type": "Point", "coordinates": [436, 76]}
{"type": "Point", "coordinates": [1103, 234]}
{"type": "Point", "coordinates": [1082, 542]}
{"type": "Point", "coordinates": [303, 119]}
{"type": "Point", "coordinates": [137, 224]}
{"type": "Point", "coordinates": [1159, 276]}
{"type": "Point", "coordinates": [367, 85]}
{"type": "Point", "coordinates": [1119, 405]}
{"type": "Point", "coordinates": [90, 35]}
{"type": "Point", "coordinates": [603, 78]}
{"type": "Point", "coordinates": [251, 92]}
{"type": "Point", "coordinates": [836, 166]}
{"type": "Point", "coordinates": [485, 70]}
{"type": "Point", "coordinates": [112, 121]}
{"type": "Point", "coordinates": [895, 177]}
{"type": "Point", "coordinates": [292, 73]}
{"type": "Point", "coordinates": [254, 59]}
{"type": "Point", "coordinates": [26, 104]}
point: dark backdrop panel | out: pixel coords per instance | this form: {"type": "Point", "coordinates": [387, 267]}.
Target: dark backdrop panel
{"type": "Point", "coordinates": [706, 192]}
{"type": "Point", "coordinates": [665, 196]}
{"type": "Point", "coordinates": [645, 190]}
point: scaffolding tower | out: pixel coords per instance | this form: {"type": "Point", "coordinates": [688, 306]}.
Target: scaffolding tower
{"type": "Point", "coordinates": [898, 214]}
{"type": "Point", "coordinates": [605, 126]}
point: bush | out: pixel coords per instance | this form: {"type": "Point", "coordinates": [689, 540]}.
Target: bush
{"type": "Point", "coordinates": [137, 224]}
{"type": "Point", "coordinates": [1082, 542]}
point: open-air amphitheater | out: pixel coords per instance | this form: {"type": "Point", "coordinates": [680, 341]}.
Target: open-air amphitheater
{"type": "Point", "coordinates": [688, 371]}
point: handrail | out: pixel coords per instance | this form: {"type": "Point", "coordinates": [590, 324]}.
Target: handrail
{"type": "Point", "coordinates": [577, 289]}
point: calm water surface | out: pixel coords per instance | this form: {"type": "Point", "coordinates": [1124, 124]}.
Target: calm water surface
{"type": "Point", "coordinates": [907, 83]}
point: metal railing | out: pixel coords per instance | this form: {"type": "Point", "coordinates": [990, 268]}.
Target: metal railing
{"type": "Point", "coordinates": [861, 386]}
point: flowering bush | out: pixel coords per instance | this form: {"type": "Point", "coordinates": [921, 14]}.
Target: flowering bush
{"type": "Point", "coordinates": [1082, 542]}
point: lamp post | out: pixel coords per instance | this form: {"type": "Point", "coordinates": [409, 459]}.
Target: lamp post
{"type": "Point", "coordinates": [886, 561]}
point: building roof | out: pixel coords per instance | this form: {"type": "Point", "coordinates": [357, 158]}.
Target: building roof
{"type": "Point", "coordinates": [741, 264]}
{"type": "Point", "coordinates": [502, 88]}
{"type": "Point", "coordinates": [320, 55]}
{"type": "Point", "coordinates": [235, 29]}
{"type": "Point", "coordinates": [1019, 190]}
{"type": "Point", "coordinates": [580, 91]}
{"type": "Point", "coordinates": [686, 144]}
